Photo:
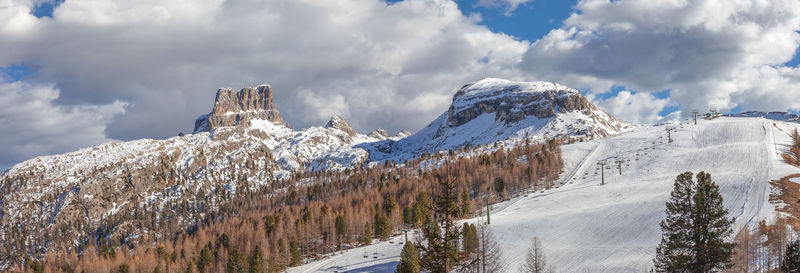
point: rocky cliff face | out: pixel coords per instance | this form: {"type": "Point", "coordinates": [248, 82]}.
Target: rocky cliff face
{"type": "Point", "coordinates": [233, 108]}
{"type": "Point", "coordinates": [513, 101]}
{"type": "Point", "coordinates": [493, 110]}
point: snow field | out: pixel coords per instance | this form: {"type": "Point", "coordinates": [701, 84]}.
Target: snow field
{"type": "Point", "coordinates": [588, 227]}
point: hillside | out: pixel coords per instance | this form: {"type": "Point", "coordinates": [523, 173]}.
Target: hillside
{"type": "Point", "coordinates": [105, 193]}
{"type": "Point", "coordinates": [586, 227]}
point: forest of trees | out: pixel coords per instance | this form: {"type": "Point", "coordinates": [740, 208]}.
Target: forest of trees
{"type": "Point", "coordinates": [314, 214]}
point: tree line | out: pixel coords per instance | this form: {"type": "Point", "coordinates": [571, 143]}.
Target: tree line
{"type": "Point", "coordinates": [315, 214]}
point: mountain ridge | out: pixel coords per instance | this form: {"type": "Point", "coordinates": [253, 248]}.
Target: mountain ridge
{"type": "Point", "coordinates": [243, 144]}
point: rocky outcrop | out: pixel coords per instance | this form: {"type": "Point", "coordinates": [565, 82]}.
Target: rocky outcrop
{"type": "Point", "coordinates": [510, 102]}
{"type": "Point", "coordinates": [495, 110]}
{"type": "Point", "coordinates": [379, 134]}
{"type": "Point", "coordinates": [337, 122]}
{"type": "Point", "coordinates": [513, 101]}
{"type": "Point", "coordinates": [232, 108]}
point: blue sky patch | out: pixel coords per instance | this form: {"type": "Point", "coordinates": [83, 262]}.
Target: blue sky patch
{"type": "Point", "coordinates": [45, 9]}
{"type": "Point", "coordinates": [15, 72]}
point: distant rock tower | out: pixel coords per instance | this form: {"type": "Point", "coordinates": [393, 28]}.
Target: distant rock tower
{"type": "Point", "coordinates": [233, 108]}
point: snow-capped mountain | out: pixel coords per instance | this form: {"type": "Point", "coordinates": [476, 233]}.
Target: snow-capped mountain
{"type": "Point", "coordinates": [779, 116]}
{"type": "Point", "coordinates": [492, 110]}
{"type": "Point", "coordinates": [243, 143]}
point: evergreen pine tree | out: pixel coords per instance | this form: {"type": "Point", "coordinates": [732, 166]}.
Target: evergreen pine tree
{"type": "Point", "coordinates": [256, 261]}
{"type": "Point", "coordinates": [469, 242]}
{"type": "Point", "coordinates": [440, 253]}
{"type": "Point", "coordinates": [466, 208]}
{"type": "Point", "coordinates": [367, 234]}
{"type": "Point", "coordinates": [408, 216]}
{"type": "Point", "coordinates": [295, 251]}
{"type": "Point", "coordinates": [422, 209]}
{"type": "Point", "coordinates": [695, 228]}
{"type": "Point", "coordinates": [383, 229]}
{"type": "Point", "coordinates": [409, 260]}
{"type": "Point", "coordinates": [36, 266]}
{"type": "Point", "coordinates": [204, 259]}
{"type": "Point", "coordinates": [791, 260]}
{"type": "Point", "coordinates": [283, 256]}
{"type": "Point", "coordinates": [341, 229]}
{"type": "Point", "coordinates": [235, 264]}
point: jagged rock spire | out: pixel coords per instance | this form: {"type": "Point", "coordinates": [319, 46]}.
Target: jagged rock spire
{"type": "Point", "coordinates": [232, 108]}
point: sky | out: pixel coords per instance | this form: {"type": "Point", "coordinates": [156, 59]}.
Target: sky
{"type": "Point", "coordinates": [79, 73]}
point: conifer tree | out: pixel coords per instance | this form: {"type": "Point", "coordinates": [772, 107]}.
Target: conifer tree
{"type": "Point", "coordinates": [440, 253]}
{"type": "Point", "coordinates": [409, 260]}
{"type": "Point", "coordinates": [500, 186]}
{"type": "Point", "coordinates": [466, 208]}
{"type": "Point", "coordinates": [283, 256]}
{"type": "Point", "coordinates": [383, 229]}
{"type": "Point", "coordinates": [470, 238]}
{"type": "Point", "coordinates": [422, 209]}
{"type": "Point", "coordinates": [204, 260]}
{"type": "Point", "coordinates": [695, 229]}
{"type": "Point", "coordinates": [295, 251]}
{"type": "Point", "coordinates": [235, 264]}
{"type": "Point", "coordinates": [341, 229]}
{"type": "Point", "coordinates": [791, 260]}
{"type": "Point", "coordinates": [367, 234]}
{"type": "Point", "coordinates": [256, 261]}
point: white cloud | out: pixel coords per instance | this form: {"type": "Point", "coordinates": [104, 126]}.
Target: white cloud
{"type": "Point", "coordinates": [508, 5]}
{"type": "Point", "coordinates": [324, 105]}
{"type": "Point", "coordinates": [33, 125]}
{"type": "Point", "coordinates": [635, 107]}
{"type": "Point", "coordinates": [709, 53]}
{"type": "Point", "coordinates": [169, 57]}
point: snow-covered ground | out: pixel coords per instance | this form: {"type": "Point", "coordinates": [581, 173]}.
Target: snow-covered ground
{"type": "Point", "coordinates": [378, 257]}
{"type": "Point", "coordinates": [588, 227]}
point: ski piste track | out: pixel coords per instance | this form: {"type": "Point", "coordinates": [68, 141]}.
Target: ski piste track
{"type": "Point", "coordinates": [587, 227]}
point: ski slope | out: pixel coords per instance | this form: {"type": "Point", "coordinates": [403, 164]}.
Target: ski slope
{"type": "Point", "coordinates": [588, 227]}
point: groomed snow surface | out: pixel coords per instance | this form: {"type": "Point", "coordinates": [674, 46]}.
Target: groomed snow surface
{"type": "Point", "coordinates": [588, 227]}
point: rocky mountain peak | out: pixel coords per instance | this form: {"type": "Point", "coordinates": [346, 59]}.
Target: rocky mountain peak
{"type": "Point", "coordinates": [379, 134]}
{"type": "Point", "coordinates": [492, 110]}
{"type": "Point", "coordinates": [337, 122]}
{"type": "Point", "coordinates": [232, 108]}
{"type": "Point", "coordinates": [512, 101]}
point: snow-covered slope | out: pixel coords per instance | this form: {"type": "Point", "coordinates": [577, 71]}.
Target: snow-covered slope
{"type": "Point", "coordinates": [245, 150]}
{"type": "Point", "coordinates": [493, 110]}
{"type": "Point", "coordinates": [588, 227]}
{"type": "Point", "coordinates": [243, 143]}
